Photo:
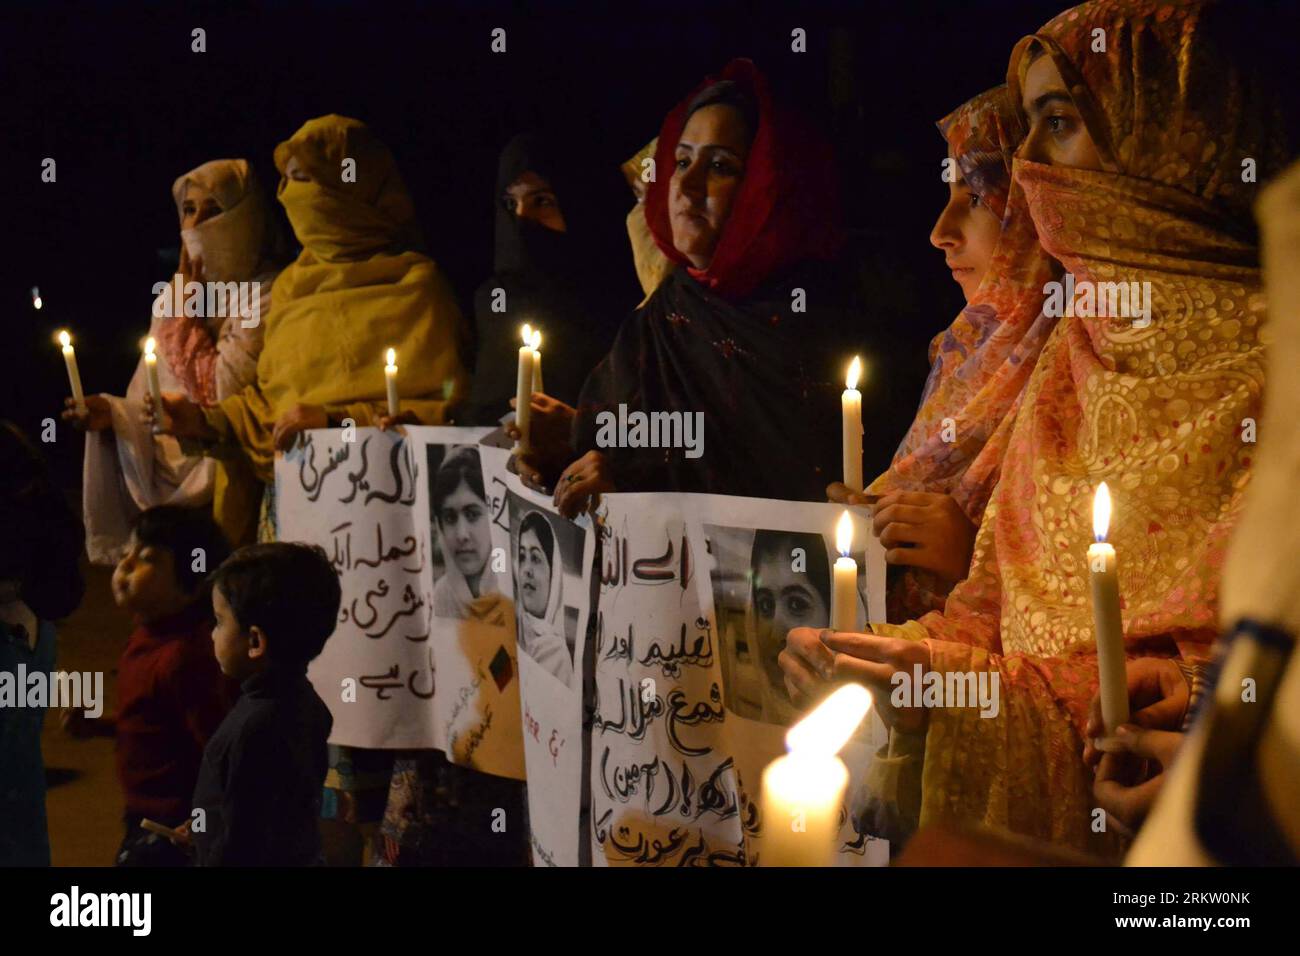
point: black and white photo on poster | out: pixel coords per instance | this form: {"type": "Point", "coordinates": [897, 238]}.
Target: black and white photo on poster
{"type": "Point", "coordinates": [765, 582]}
{"type": "Point", "coordinates": [550, 600]}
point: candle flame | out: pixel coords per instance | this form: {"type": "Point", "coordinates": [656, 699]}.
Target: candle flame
{"type": "Point", "coordinates": [844, 534]}
{"type": "Point", "coordinates": [1101, 512]}
{"type": "Point", "coordinates": [64, 338]}
{"type": "Point", "coordinates": [831, 724]}
{"type": "Point", "coordinates": [536, 342]}
{"type": "Point", "coordinates": [527, 334]}
{"type": "Point", "coordinates": [150, 345]}
{"type": "Point", "coordinates": [392, 356]}
{"type": "Point", "coordinates": [36, 298]}
{"type": "Point", "coordinates": [855, 372]}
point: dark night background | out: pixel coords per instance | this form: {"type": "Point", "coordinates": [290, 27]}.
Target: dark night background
{"type": "Point", "coordinates": [115, 95]}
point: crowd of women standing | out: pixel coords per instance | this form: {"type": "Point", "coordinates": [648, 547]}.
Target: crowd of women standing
{"type": "Point", "coordinates": [1115, 163]}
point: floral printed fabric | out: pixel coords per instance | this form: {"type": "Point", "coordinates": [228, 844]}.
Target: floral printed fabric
{"type": "Point", "coordinates": [1154, 409]}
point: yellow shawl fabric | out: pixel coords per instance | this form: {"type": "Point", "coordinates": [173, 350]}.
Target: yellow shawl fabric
{"type": "Point", "coordinates": [652, 266]}
{"type": "Point", "coordinates": [357, 289]}
{"type": "Point", "coordinates": [1157, 411]}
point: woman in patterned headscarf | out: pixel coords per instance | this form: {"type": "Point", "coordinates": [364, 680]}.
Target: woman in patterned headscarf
{"type": "Point", "coordinates": [933, 496]}
{"type": "Point", "coordinates": [1141, 124]}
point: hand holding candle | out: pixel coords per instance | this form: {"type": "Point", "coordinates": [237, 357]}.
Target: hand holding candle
{"type": "Point", "coordinates": [390, 381]}
{"type": "Point", "coordinates": [844, 596]}
{"type": "Point", "coordinates": [1104, 570]}
{"type": "Point", "coordinates": [851, 407]}
{"type": "Point", "coordinates": [74, 375]}
{"type": "Point", "coordinates": [803, 790]}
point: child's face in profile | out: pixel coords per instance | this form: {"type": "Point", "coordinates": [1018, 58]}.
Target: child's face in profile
{"type": "Point", "coordinates": [145, 582]}
{"type": "Point", "coordinates": [229, 640]}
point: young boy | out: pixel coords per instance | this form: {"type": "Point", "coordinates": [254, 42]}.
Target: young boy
{"type": "Point", "coordinates": [260, 784]}
{"type": "Point", "coordinates": [171, 695]}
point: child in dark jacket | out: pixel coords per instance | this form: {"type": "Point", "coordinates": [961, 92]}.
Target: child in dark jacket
{"type": "Point", "coordinates": [259, 788]}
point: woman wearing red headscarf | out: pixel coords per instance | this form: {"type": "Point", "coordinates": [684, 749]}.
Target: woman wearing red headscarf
{"type": "Point", "coordinates": [745, 330]}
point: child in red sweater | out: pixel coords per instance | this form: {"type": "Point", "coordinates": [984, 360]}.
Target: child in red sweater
{"type": "Point", "coordinates": [171, 693]}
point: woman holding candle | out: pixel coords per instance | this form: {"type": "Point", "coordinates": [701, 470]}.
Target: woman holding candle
{"type": "Point", "coordinates": [554, 267]}
{"type": "Point", "coordinates": [1155, 408]}
{"type": "Point", "coordinates": [359, 287]}
{"type": "Point", "coordinates": [750, 328]}
{"type": "Point", "coordinates": [228, 234]}
{"type": "Point", "coordinates": [932, 498]}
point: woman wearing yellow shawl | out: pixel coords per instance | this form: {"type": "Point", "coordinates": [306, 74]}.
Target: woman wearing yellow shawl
{"type": "Point", "coordinates": [359, 287]}
{"type": "Point", "coordinates": [1141, 126]}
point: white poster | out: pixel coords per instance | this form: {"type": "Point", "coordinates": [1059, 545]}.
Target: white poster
{"type": "Point", "coordinates": [697, 593]}
{"type": "Point", "coordinates": [424, 652]}
{"type": "Point", "coordinates": [550, 580]}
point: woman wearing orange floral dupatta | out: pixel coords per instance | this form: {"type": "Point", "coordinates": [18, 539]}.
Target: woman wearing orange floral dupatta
{"type": "Point", "coordinates": [979, 364]}
{"type": "Point", "coordinates": [1155, 405]}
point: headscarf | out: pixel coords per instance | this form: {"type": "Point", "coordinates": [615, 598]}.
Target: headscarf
{"type": "Point", "coordinates": [561, 283]}
{"type": "Point", "coordinates": [651, 264]}
{"type": "Point", "coordinates": [358, 288]}
{"type": "Point", "coordinates": [785, 211]}
{"type": "Point", "coordinates": [1157, 412]}
{"type": "Point", "coordinates": [543, 638]}
{"type": "Point", "coordinates": [980, 363]}
{"type": "Point", "coordinates": [726, 341]}
{"type": "Point", "coordinates": [245, 238]}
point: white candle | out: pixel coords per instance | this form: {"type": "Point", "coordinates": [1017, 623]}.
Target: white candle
{"type": "Point", "coordinates": [844, 595]}
{"type": "Point", "coordinates": [1104, 570]}
{"type": "Point", "coordinates": [851, 407]}
{"type": "Point", "coordinates": [524, 390]}
{"type": "Point", "coordinates": [803, 791]}
{"type": "Point", "coordinates": [74, 375]}
{"type": "Point", "coordinates": [537, 362]}
{"type": "Point", "coordinates": [390, 380]}
{"type": "Point", "coordinates": [151, 369]}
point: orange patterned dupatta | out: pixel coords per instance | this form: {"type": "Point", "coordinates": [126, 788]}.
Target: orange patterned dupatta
{"type": "Point", "coordinates": [978, 365]}
{"type": "Point", "coordinates": [1156, 410]}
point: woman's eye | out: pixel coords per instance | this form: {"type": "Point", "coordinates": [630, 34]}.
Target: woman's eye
{"type": "Point", "coordinates": [974, 200]}
{"type": "Point", "coordinates": [1058, 124]}
{"type": "Point", "coordinates": [798, 605]}
{"type": "Point", "coordinates": [473, 514]}
{"type": "Point", "coordinates": [449, 517]}
{"type": "Point", "coordinates": [726, 169]}
{"type": "Point", "coordinates": [682, 162]}
{"type": "Point", "coordinates": [765, 605]}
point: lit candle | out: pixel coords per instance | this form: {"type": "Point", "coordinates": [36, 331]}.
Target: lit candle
{"type": "Point", "coordinates": [74, 376]}
{"type": "Point", "coordinates": [1103, 566]}
{"type": "Point", "coordinates": [151, 369]}
{"type": "Point", "coordinates": [36, 298]}
{"type": "Point", "coordinates": [524, 388]}
{"type": "Point", "coordinates": [537, 360]}
{"type": "Point", "coordinates": [851, 406]}
{"type": "Point", "coordinates": [803, 791]}
{"type": "Point", "coordinates": [390, 380]}
{"type": "Point", "coordinates": [844, 602]}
